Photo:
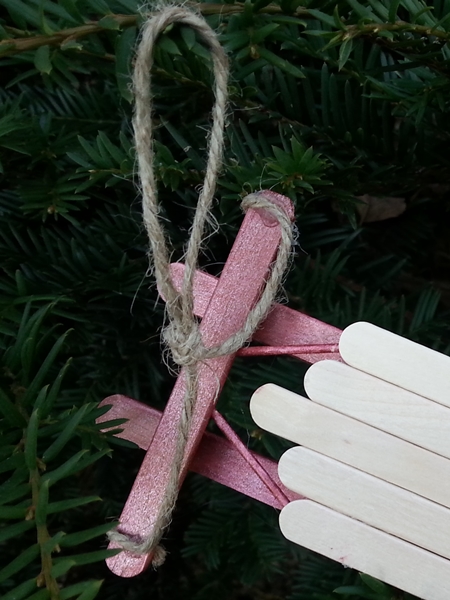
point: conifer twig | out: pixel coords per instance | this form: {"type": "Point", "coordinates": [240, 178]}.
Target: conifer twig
{"type": "Point", "coordinates": [45, 577]}
{"type": "Point", "coordinates": [24, 42]}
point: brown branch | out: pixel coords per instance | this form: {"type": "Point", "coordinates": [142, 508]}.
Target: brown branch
{"type": "Point", "coordinates": [375, 28]}
{"type": "Point", "coordinates": [16, 45]}
{"type": "Point", "coordinates": [45, 578]}
{"type": "Point", "coordinates": [24, 42]}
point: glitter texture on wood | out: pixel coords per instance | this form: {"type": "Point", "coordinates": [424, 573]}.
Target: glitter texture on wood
{"type": "Point", "coordinates": [236, 293]}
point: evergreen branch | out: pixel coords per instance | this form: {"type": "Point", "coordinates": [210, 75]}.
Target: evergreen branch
{"type": "Point", "coordinates": [13, 46]}
{"type": "Point", "coordinates": [9, 47]}
{"type": "Point", "coordinates": [43, 537]}
{"type": "Point", "coordinates": [25, 43]}
{"type": "Point", "coordinates": [399, 26]}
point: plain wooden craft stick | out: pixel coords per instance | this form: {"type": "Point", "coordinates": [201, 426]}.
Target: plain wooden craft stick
{"type": "Point", "coordinates": [366, 549]}
{"type": "Point", "coordinates": [398, 360]}
{"type": "Point", "coordinates": [380, 404]}
{"type": "Point", "coordinates": [366, 498]}
{"type": "Point", "coordinates": [304, 422]}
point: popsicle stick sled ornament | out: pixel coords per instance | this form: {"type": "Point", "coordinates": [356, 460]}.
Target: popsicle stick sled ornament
{"type": "Point", "coordinates": [376, 442]}
{"type": "Point", "coordinates": [374, 460]}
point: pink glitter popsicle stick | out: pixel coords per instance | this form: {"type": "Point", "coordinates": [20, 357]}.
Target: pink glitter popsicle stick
{"type": "Point", "coordinates": [236, 293]}
{"type": "Point", "coordinates": [289, 350]}
{"type": "Point", "coordinates": [283, 326]}
{"type": "Point", "coordinates": [216, 458]}
{"type": "Point", "coordinates": [251, 459]}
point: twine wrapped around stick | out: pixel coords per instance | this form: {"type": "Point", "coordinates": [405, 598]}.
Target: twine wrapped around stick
{"type": "Point", "coordinates": [182, 334]}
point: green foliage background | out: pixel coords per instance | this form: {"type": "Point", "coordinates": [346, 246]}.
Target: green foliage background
{"type": "Point", "coordinates": [329, 101]}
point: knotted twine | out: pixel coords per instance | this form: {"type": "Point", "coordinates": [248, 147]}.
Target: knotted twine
{"type": "Point", "coordinates": [182, 335]}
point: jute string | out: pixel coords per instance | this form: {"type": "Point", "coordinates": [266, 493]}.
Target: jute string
{"type": "Point", "coordinates": [182, 334]}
